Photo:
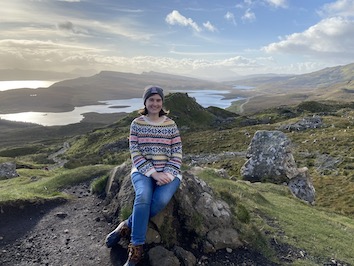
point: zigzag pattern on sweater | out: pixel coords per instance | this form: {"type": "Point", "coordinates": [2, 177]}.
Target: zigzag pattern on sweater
{"type": "Point", "coordinates": [155, 147]}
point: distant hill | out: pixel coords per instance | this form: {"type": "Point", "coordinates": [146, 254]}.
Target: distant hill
{"type": "Point", "coordinates": [329, 84]}
{"type": "Point", "coordinates": [130, 85]}
{"type": "Point", "coordinates": [319, 79]}
{"type": "Point", "coordinates": [107, 85]}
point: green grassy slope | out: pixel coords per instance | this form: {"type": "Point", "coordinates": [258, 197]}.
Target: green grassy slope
{"type": "Point", "coordinates": [264, 212]}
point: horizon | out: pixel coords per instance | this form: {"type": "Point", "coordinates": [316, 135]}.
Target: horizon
{"type": "Point", "coordinates": [205, 40]}
{"type": "Point", "coordinates": [32, 77]}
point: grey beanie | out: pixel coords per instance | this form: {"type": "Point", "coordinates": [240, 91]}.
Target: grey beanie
{"type": "Point", "coordinates": [150, 90]}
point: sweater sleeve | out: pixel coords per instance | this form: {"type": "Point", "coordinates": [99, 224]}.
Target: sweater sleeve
{"type": "Point", "coordinates": [173, 165]}
{"type": "Point", "coordinates": [143, 165]}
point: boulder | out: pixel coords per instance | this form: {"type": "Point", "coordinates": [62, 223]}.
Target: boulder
{"type": "Point", "coordinates": [304, 124]}
{"type": "Point", "coordinates": [269, 159]}
{"type": "Point", "coordinates": [301, 186]}
{"type": "Point", "coordinates": [194, 218]}
{"type": "Point", "coordinates": [8, 170]}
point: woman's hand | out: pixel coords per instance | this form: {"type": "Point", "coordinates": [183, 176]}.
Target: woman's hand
{"type": "Point", "coordinates": [161, 178]}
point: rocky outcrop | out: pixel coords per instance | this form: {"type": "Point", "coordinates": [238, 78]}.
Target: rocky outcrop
{"type": "Point", "coordinates": [194, 219]}
{"type": "Point", "coordinates": [303, 124]}
{"type": "Point", "coordinates": [8, 170]}
{"type": "Point", "coordinates": [270, 160]}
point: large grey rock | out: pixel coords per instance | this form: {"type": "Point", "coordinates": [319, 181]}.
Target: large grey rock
{"type": "Point", "coordinates": [270, 160]}
{"type": "Point", "coordinates": [193, 213]}
{"type": "Point", "coordinates": [199, 209]}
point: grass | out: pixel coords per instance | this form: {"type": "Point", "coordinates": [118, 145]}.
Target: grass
{"type": "Point", "coordinates": [279, 216]}
{"type": "Point", "coordinates": [263, 212]}
{"type": "Point", "coordinates": [37, 185]}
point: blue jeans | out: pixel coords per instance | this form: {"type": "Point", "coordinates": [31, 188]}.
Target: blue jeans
{"type": "Point", "coordinates": [150, 199]}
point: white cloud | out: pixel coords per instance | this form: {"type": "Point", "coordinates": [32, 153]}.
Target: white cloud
{"type": "Point", "coordinates": [44, 55]}
{"type": "Point", "coordinates": [209, 26]}
{"type": "Point", "coordinates": [278, 3]}
{"type": "Point", "coordinates": [343, 8]}
{"type": "Point", "coordinates": [230, 17]}
{"type": "Point", "coordinates": [53, 56]}
{"type": "Point", "coordinates": [175, 18]}
{"type": "Point", "coordinates": [248, 16]}
{"type": "Point", "coordinates": [330, 37]}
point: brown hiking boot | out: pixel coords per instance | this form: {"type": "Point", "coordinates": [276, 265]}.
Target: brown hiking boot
{"type": "Point", "coordinates": [122, 231]}
{"type": "Point", "coordinates": [135, 255]}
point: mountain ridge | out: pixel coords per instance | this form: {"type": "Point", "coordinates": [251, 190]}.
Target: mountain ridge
{"type": "Point", "coordinates": [330, 84]}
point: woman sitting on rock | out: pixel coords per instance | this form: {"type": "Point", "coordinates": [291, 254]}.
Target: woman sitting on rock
{"type": "Point", "coordinates": [156, 153]}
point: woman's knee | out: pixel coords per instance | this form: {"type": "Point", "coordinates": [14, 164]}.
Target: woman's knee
{"type": "Point", "coordinates": [143, 196]}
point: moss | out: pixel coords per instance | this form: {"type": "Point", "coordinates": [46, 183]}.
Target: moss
{"type": "Point", "coordinates": [243, 214]}
{"type": "Point", "coordinates": [99, 184]}
{"type": "Point", "coordinates": [125, 212]}
{"type": "Point", "coordinates": [196, 221]}
{"type": "Point", "coordinates": [168, 232]}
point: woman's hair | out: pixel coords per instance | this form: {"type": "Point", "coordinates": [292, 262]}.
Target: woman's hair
{"type": "Point", "coordinates": [144, 111]}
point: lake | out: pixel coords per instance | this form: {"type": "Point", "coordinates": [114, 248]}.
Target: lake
{"type": "Point", "coordinates": [205, 98]}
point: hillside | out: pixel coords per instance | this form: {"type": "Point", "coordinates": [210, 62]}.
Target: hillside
{"type": "Point", "coordinates": [329, 84]}
{"type": "Point", "coordinates": [284, 228]}
{"type": "Point", "coordinates": [319, 79]}
{"type": "Point", "coordinates": [66, 95]}
{"type": "Point", "coordinates": [266, 209]}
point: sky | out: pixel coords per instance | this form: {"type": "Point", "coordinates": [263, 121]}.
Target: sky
{"type": "Point", "coordinates": [220, 39]}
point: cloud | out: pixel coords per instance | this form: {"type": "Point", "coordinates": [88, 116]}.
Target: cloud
{"type": "Point", "coordinates": [343, 8]}
{"type": "Point", "coordinates": [70, 27]}
{"type": "Point", "coordinates": [230, 17]}
{"type": "Point", "coordinates": [331, 37]}
{"type": "Point", "coordinates": [29, 54]}
{"type": "Point", "coordinates": [249, 16]}
{"type": "Point", "coordinates": [175, 18]}
{"type": "Point", "coordinates": [209, 26]}
{"type": "Point", "coordinates": [53, 56]}
{"type": "Point", "coordinates": [278, 3]}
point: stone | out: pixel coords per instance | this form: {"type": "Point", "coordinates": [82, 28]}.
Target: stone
{"type": "Point", "coordinates": [8, 170]}
{"type": "Point", "coordinates": [160, 256]}
{"type": "Point", "coordinates": [270, 160]}
{"type": "Point", "coordinates": [185, 257]}
{"type": "Point", "coordinates": [224, 238]}
{"type": "Point", "coordinates": [194, 215]}
{"type": "Point", "coordinates": [301, 187]}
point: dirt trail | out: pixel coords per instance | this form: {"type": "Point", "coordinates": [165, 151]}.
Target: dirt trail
{"type": "Point", "coordinates": [70, 233]}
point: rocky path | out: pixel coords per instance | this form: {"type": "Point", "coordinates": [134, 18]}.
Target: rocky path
{"type": "Point", "coordinates": [70, 233]}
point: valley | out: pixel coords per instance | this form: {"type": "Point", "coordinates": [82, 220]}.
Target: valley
{"type": "Point", "coordinates": [286, 230]}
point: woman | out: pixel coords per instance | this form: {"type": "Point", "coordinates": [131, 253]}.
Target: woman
{"type": "Point", "coordinates": [156, 153]}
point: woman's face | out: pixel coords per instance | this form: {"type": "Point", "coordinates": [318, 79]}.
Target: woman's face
{"type": "Point", "coordinates": [154, 104]}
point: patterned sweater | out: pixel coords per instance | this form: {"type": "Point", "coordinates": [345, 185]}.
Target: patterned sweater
{"type": "Point", "coordinates": [155, 147]}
